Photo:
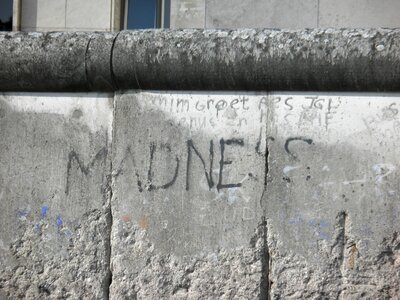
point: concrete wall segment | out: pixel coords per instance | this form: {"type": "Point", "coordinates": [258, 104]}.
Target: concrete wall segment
{"type": "Point", "coordinates": [316, 213]}
{"type": "Point", "coordinates": [189, 176]}
{"type": "Point", "coordinates": [332, 195]}
{"type": "Point", "coordinates": [329, 221]}
{"type": "Point", "coordinates": [54, 201]}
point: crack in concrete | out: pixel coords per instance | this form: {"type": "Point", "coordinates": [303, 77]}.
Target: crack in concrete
{"type": "Point", "coordinates": [343, 241]}
{"type": "Point", "coordinates": [338, 249]}
{"type": "Point", "coordinates": [109, 246]}
{"type": "Point", "coordinates": [110, 179]}
{"type": "Point", "coordinates": [86, 64]}
{"type": "Point", "coordinates": [113, 77]}
{"type": "Point", "coordinates": [265, 286]}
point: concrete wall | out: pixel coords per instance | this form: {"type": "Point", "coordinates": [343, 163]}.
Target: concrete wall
{"type": "Point", "coordinates": [293, 14]}
{"type": "Point", "coordinates": [54, 209]}
{"type": "Point", "coordinates": [181, 195]}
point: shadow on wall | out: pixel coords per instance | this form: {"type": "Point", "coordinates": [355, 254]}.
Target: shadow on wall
{"type": "Point", "coordinates": [29, 14]}
{"type": "Point", "coordinates": [42, 223]}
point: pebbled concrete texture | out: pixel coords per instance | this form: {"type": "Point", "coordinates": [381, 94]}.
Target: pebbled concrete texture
{"type": "Point", "coordinates": [54, 199]}
{"type": "Point", "coordinates": [209, 60]}
{"type": "Point", "coordinates": [329, 221]}
{"type": "Point", "coordinates": [36, 60]}
{"type": "Point", "coordinates": [258, 60]}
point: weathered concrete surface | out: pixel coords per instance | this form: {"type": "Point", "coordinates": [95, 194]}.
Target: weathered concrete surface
{"type": "Point", "coordinates": [55, 61]}
{"type": "Point", "coordinates": [332, 196]}
{"type": "Point", "coordinates": [43, 62]}
{"type": "Point", "coordinates": [54, 198]}
{"type": "Point", "coordinates": [201, 195]}
{"type": "Point", "coordinates": [324, 222]}
{"type": "Point", "coordinates": [247, 59]}
{"type": "Point", "coordinates": [189, 174]}
{"type": "Point", "coordinates": [356, 60]}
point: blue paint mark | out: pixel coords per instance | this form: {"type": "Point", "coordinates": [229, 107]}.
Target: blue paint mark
{"type": "Point", "coordinates": [68, 233]}
{"type": "Point", "coordinates": [366, 230]}
{"type": "Point", "coordinates": [296, 220]}
{"type": "Point", "coordinates": [365, 244]}
{"type": "Point", "coordinates": [59, 222]}
{"type": "Point", "coordinates": [45, 210]}
{"type": "Point", "coordinates": [320, 224]}
{"type": "Point", "coordinates": [311, 222]}
{"type": "Point", "coordinates": [22, 213]}
{"type": "Point", "coordinates": [323, 236]}
{"type": "Point", "coordinates": [323, 224]}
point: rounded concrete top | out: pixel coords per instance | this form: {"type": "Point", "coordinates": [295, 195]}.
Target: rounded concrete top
{"type": "Point", "coordinates": [242, 59]}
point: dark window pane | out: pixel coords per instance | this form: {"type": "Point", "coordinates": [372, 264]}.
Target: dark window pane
{"type": "Point", "coordinates": [6, 10]}
{"type": "Point", "coordinates": [142, 14]}
{"type": "Point", "coordinates": [167, 13]}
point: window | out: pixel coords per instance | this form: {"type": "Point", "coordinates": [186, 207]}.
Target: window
{"type": "Point", "coordinates": [142, 14]}
{"type": "Point", "coordinates": [6, 11]}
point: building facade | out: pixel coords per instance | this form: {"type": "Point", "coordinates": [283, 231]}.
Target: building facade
{"type": "Point", "coordinates": [115, 15]}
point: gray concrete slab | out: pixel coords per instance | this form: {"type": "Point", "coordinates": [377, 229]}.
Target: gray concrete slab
{"type": "Point", "coordinates": [332, 199]}
{"type": "Point", "coordinates": [202, 195]}
{"type": "Point", "coordinates": [189, 171]}
{"type": "Point", "coordinates": [320, 219]}
{"type": "Point", "coordinates": [54, 204]}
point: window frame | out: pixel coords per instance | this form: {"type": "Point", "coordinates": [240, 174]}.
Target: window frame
{"type": "Point", "coordinates": [160, 14]}
{"type": "Point", "coordinates": [17, 11]}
